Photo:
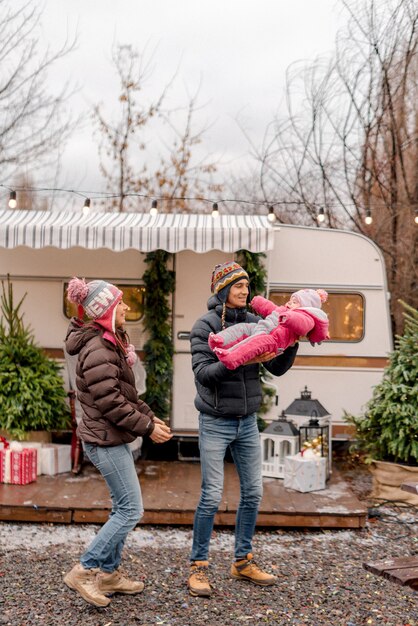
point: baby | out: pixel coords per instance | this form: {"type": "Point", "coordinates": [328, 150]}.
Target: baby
{"type": "Point", "coordinates": [283, 326]}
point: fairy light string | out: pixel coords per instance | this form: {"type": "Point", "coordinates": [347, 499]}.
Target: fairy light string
{"type": "Point", "coordinates": [92, 195]}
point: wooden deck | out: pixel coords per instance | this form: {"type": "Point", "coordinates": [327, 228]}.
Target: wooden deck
{"type": "Point", "coordinates": [170, 492]}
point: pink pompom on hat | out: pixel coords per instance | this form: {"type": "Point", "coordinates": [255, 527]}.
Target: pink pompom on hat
{"type": "Point", "coordinates": [311, 297]}
{"type": "Point", "coordinates": [97, 298]}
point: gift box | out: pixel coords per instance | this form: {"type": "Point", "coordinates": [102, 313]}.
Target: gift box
{"type": "Point", "coordinates": [18, 466]}
{"type": "Point", "coordinates": [55, 458]}
{"type": "Point", "coordinates": [2, 465]}
{"type": "Point", "coordinates": [37, 446]}
{"type": "Point", "coordinates": [305, 474]}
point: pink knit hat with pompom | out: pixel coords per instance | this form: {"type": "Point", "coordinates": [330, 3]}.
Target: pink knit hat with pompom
{"type": "Point", "coordinates": [97, 298]}
{"type": "Point", "coordinates": [311, 297]}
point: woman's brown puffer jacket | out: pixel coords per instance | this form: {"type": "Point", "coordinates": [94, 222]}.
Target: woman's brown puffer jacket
{"type": "Point", "coordinates": [112, 412]}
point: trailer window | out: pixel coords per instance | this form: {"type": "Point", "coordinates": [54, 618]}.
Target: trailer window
{"type": "Point", "coordinates": [133, 295]}
{"type": "Point", "coordinates": [345, 312]}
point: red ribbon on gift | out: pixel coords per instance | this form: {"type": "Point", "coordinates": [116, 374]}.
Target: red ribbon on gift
{"type": "Point", "coordinates": [6, 443]}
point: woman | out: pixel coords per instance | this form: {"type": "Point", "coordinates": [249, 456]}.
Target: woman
{"type": "Point", "coordinates": [228, 401]}
{"type": "Point", "coordinates": [113, 416]}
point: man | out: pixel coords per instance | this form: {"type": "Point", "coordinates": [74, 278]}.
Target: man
{"type": "Point", "coordinates": [227, 401]}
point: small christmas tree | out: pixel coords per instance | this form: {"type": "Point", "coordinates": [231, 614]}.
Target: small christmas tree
{"type": "Point", "coordinates": [32, 394]}
{"type": "Point", "coordinates": [389, 429]}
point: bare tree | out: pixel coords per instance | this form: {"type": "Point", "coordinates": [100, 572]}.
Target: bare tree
{"type": "Point", "coordinates": [122, 142]}
{"type": "Point", "coordinates": [349, 141]}
{"type": "Point", "coordinates": [184, 179]}
{"type": "Point", "coordinates": [136, 168]}
{"type": "Point", "coordinates": [33, 120]}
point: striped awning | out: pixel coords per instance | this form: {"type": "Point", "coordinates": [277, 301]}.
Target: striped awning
{"type": "Point", "coordinates": [138, 231]}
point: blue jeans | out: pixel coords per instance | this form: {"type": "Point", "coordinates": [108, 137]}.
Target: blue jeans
{"type": "Point", "coordinates": [117, 467]}
{"type": "Point", "coordinates": [242, 436]}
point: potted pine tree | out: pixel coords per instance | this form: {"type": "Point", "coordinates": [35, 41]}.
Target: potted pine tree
{"type": "Point", "coordinates": [388, 431]}
{"type": "Point", "coordinates": [32, 394]}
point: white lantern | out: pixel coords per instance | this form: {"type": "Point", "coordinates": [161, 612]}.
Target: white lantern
{"type": "Point", "coordinates": [278, 440]}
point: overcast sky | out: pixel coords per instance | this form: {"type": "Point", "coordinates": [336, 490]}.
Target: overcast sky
{"type": "Point", "coordinates": [235, 52]}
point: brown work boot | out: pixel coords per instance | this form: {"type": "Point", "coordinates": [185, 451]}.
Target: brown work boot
{"type": "Point", "coordinates": [198, 580]}
{"type": "Point", "coordinates": [116, 582]}
{"type": "Point", "coordinates": [247, 569]}
{"type": "Point", "coordinates": [85, 582]}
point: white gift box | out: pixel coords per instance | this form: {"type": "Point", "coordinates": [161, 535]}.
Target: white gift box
{"type": "Point", "coordinates": [305, 474]}
{"type": "Point", "coordinates": [55, 458]}
{"type": "Point", "coordinates": [37, 445]}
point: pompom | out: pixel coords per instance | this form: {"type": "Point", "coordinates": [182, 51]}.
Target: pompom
{"type": "Point", "coordinates": [322, 294]}
{"type": "Point", "coordinates": [131, 355]}
{"type": "Point", "coordinates": [77, 290]}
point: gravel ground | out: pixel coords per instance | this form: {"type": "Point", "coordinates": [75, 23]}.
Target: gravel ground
{"type": "Point", "coordinates": [321, 580]}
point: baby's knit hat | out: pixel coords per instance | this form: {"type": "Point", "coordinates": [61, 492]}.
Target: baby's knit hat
{"type": "Point", "coordinates": [224, 276]}
{"type": "Point", "coordinates": [311, 297]}
{"type": "Point", "coordinates": [97, 298]}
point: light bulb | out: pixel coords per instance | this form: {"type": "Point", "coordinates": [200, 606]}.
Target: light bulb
{"type": "Point", "coordinates": [12, 200]}
{"type": "Point", "coordinates": [321, 215]}
{"type": "Point", "coordinates": [368, 219]}
{"type": "Point", "coordinates": [215, 210]}
{"type": "Point", "coordinates": [153, 209]}
{"type": "Point", "coordinates": [271, 215]}
{"type": "Point", "coordinates": [86, 206]}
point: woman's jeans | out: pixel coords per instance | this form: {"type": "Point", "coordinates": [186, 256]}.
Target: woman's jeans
{"type": "Point", "coordinates": [242, 436]}
{"type": "Point", "coordinates": [117, 467]}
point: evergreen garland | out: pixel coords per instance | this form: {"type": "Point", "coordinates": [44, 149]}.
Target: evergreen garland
{"type": "Point", "coordinates": [32, 394]}
{"type": "Point", "coordinates": [389, 429]}
{"type": "Point", "coordinates": [159, 284]}
{"type": "Point", "coordinates": [253, 264]}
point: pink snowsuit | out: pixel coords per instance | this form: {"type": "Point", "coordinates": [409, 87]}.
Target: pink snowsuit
{"type": "Point", "coordinates": [281, 328]}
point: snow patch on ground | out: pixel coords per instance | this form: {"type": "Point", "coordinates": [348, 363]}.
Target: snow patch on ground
{"type": "Point", "coordinates": [37, 536]}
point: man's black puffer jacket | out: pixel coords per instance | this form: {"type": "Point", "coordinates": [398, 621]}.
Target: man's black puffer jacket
{"type": "Point", "coordinates": [222, 392]}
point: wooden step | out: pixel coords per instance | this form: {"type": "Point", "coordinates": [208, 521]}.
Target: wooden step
{"type": "Point", "coordinates": [403, 570]}
{"type": "Point", "coordinates": [171, 492]}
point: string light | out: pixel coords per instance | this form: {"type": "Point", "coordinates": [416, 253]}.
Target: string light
{"type": "Point", "coordinates": [215, 210]}
{"type": "Point", "coordinates": [153, 209]}
{"type": "Point", "coordinates": [12, 200]}
{"type": "Point", "coordinates": [368, 219]}
{"type": "Point", "coordinates": [101, 195]}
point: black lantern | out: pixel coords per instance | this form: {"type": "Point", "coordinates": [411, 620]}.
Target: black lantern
{"type": "Point", "coordinates": [315, 436]}
{"type": "Point", "coordinates": [308, 408]}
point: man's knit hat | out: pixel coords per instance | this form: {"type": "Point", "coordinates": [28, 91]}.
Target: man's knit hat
{"type": "Point", "coordinates": [311, 297]}
{"type": "Point", "coordinates": [97, 298]}
{"type": "Point", "coordinates": [224, 276]}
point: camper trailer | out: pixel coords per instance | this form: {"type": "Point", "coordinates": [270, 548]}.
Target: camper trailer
{"type": "Point", "coordinates": [40, 251]}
